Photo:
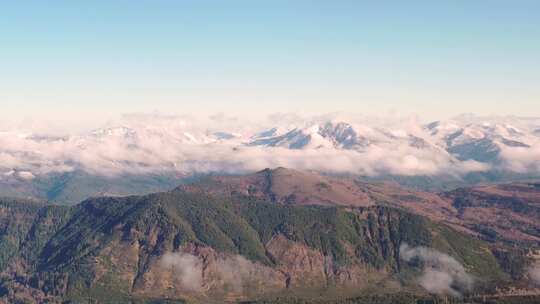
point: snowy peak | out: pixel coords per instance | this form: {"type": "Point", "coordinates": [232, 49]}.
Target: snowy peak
{"type": "Point", "coordinates": [483, 141]}
{"type": "Point", "coordinates": [115, 131]}
{"type": "Point", "coordinates": [343, 135]}
{"type": "Point", "coordinates": [297, 138]}
{"type": "Point", "coordinates": [406, 148]}
{"type": "Point", "coordinates": [338, 135]}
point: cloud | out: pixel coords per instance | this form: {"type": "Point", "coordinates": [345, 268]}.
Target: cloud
{"type": "Point", "coordinates": [442, 273]}
{"type": "Point", "coordinates": [237, 272]}
{"type": "Point", "coordinates": [373, 161]}
{"type": "Point", "coordinates": [154, 144]}
{"type": "Point", "coordinates": [25, 175]}
{"type": "Point", "coordinates": [534, 274]}
{"type": "Point", "coordinates": [187, 268]}
{"type": "Point", "coordinates": [234, 271]}
{"type": "Point", "coordinates": [521, 159]}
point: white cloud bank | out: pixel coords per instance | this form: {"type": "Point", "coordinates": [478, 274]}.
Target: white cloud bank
{"type": "Point", "coordinates": [156, 144]}
{"type": "Point", "coordinates": [442, 273]}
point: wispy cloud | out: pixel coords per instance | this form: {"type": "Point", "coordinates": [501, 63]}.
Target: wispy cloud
{"type": "Point", "coordinates": [187, 268]}
{"type": "Point", "coordinates": [234, 272]}
{"type": "Point", "coordinates": [534, 273]}
{"type": "Point", "coordinates": [442, 273]}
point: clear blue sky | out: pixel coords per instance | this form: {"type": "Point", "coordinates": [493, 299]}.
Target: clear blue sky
{"type": "Point", "coordinates": [434, 58]}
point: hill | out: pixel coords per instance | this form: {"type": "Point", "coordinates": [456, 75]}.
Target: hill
{"type": "Point", "coordinates": [497, 212]}
{"type": "Point", "coordinates": [199, 248]}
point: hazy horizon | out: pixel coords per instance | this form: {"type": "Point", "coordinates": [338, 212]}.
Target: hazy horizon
{"type": "Point", "coordinates": [74, 124]}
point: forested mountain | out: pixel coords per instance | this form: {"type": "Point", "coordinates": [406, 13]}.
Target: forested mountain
{"type": "Point", "coordinates": [195, 247]}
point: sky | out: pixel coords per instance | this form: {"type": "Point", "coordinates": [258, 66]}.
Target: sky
{"type": "Point", "coordinates": [87, 61]}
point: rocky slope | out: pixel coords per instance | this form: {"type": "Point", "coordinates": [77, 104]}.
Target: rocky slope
{"type": "Point", "coordinates": [190, 246]}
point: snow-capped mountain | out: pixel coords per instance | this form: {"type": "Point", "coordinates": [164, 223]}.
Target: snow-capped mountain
{"type": "Point", "coordinates": [339, 135]}
{"type": "Point", "coordinates": [457, 147]}
{"type": "Point", "coordinates": [297, 138]}
{"type": "Point", "coordinates": [330, 134]}
{"type": "Point", "coordinates": [481, 141]}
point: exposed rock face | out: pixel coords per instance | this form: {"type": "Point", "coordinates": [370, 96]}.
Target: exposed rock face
{"type": "Point", "coordinates": [185, 245]}
{"type": "Point", "coordinates": [301, 266]}
{"type": "Point", "coordinates": [304, 267]}
{"type": "Point", "coordinates": [200, 272]}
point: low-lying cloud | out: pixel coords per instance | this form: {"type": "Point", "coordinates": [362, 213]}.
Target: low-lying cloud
{"type": "Point", "coordinates": [442, 273]}
{"type": "Point", "coordinates": [146, 144]}
{"type": "Point", "coordinates": [234, 271]}
{"type": "Point", "coordinates": [187, 268]}
{"type": "Point", "coordinates": [534, 274]}
{"type": "Point", "coordinates": [521, 159]}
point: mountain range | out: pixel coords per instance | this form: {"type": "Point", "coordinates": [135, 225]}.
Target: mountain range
{"type": "Point", "coordinates": [147, 154]}
{"type": "Point", "coordinates": [276, 236]}
{"type": "Point", "coordinates": [506, 212]}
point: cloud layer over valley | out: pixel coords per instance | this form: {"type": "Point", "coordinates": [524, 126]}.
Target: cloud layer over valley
{"type": "Point", "coordinates": [154, 144]}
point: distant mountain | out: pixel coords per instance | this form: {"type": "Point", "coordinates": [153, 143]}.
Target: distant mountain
{"type": "Point", "coordinates": [73, 187]}
{"type": "Point", "coordinates": [142, 157]}
{"type": "Point", "coordinates": [480, 142]}
{"type": "Point", "coordinates": [338, 135]}
{"type": "Point", "coordinates": [471, 141]}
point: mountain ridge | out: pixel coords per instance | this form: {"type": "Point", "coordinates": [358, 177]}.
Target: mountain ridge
{"type": "Point", "coordinates": [296, 231]}
{"type": "Point", "coordinates": [116, 246]}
